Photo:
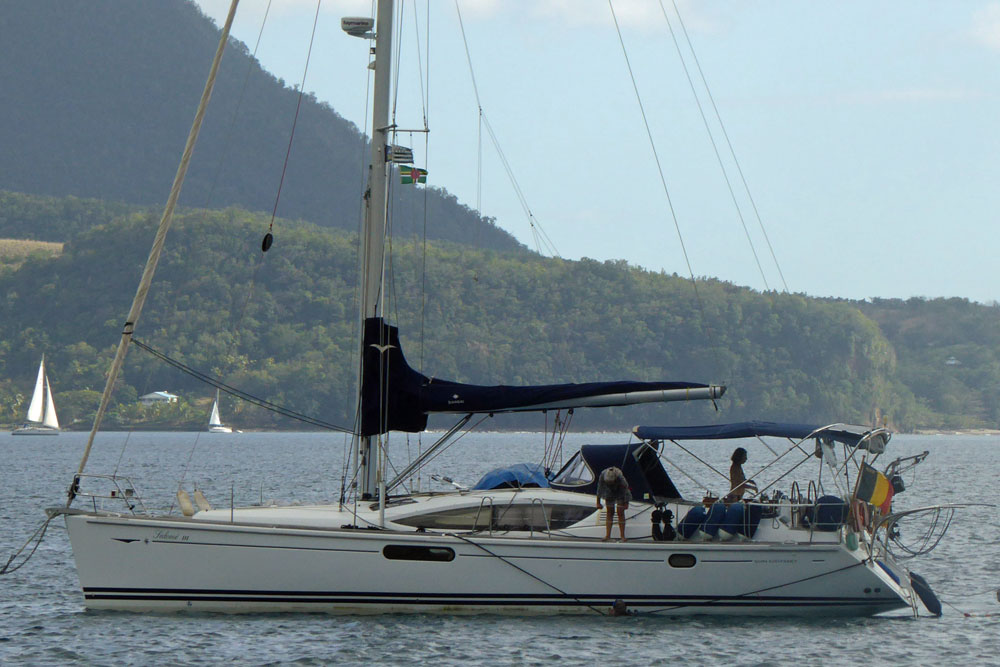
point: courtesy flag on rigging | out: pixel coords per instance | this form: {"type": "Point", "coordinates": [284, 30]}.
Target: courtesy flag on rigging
{"type": "Point", "coordinates": [413, 175]}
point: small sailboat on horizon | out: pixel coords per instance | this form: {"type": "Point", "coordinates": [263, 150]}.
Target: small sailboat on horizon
{"type": "Point", "coordinates": [41, 418]}
{"type": "Point", "coordinates": [215, 424]}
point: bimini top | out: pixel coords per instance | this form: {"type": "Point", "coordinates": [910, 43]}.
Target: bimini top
{"type": "Point", "coordinates": [865, 437]}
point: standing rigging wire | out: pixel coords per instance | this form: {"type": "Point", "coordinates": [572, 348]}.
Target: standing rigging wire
{"type": "Point", "coordinates": [268, 238]}
{"type": "Point", "coordinates": [390, 305]}
{"type": "Point", "coordinates": [663, 180]}
{"type": "Point", "coordinates": [249, 398]}
{"type": "Point", "coordinates": [128, 436]}
{"type": "Point", "coordinates": [388, 274]}
{"type": "Point", "coordinates": [142, 291]}
{"type": "Point", "coordinates": [227, 142]}
{"type": "Point", "coordinates": [295, 119]}
{"type": "Point", "coordinates": [397, 56]}
{"type": "Point", "coordinates": [538, 234]}
{"type": "Point", "coordinates": [423, 61]}
{"type": "Point", "coordinates": [184, 472]}
{"type": "Point", "coordinates": [554, 441]}
{"type": "Point", "coordinates": [426, 102]}
{"type": "Point", "coordinates": [729, 143]}
{"type": "Point", "coordinates": [479, 133]}
{"type": "Point", "coordinates": [479, 109]}
{"type": "Point", "coordinates": [715, 146]}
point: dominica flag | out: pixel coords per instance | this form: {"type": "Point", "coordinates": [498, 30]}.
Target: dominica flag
{"type": "Point", "coordinates": [874, 488]}
{"type": "Point", "coordinates": [412, 175]}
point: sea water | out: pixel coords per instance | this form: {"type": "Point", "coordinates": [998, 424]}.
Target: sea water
{"type": "Point", "coordinates": [43, 621]}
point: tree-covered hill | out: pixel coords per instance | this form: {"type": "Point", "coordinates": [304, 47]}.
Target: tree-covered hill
{"type": "Point", "coordinates": [282, 326]}
{"type": "Point", "coordinates": [949, 355]}
{"type": "Point", "coordinates": [97, 97]}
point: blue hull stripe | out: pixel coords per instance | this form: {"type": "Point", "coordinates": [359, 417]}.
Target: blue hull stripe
{"type": "Point", "coordinates": [474, 599]}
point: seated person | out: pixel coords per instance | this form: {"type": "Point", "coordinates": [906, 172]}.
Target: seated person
{"type": "Point", "coordinates": [738, 482]}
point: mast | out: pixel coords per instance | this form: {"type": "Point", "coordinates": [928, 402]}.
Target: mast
{"type": "Point", "coordinates": [373, 248]}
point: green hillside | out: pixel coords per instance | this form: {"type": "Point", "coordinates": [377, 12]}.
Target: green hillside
{"type": "Point", "coordinates": [949, 356]}
{"type": "Point", "coordinates": [284, 329]}
{"type": "Point", "coordinates": [97, 97]}
{"type": "Point", "coordinates": [95, 105]}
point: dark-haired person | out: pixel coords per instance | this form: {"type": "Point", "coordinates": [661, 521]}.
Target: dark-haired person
{"type": "Point", "coordinates": [738, 482]}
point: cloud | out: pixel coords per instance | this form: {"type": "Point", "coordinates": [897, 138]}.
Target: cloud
{"type": "Point", "coordinates": [986, 26]}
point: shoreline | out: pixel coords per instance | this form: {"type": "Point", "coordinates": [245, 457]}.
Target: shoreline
{"type": "Point", "coordinates": [920, 431]}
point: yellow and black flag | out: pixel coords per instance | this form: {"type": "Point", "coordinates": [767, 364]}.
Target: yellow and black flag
{"type": "Point", "coordinates": [874, 488]}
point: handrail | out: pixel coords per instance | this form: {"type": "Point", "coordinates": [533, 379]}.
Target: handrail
{"type": "Point", "coordinates": [548, 526]}
{"type": "Point", "coordinates": [475, 522]}
{"type": "Point", "coordinates": [812, 498]}
{"type": "Point", "coordinates": [795, 499]}
{"type": "Point", "coordinates": [127, 494]}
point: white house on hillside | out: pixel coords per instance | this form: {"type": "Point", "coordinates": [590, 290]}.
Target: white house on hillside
{"type": "Point", "coordinates": [158, 397]}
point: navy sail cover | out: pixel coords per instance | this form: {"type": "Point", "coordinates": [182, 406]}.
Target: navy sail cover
{"type": "Point", "coordinates": [394, 397]}
{"type": "Point", "coordinates": [845, 433]}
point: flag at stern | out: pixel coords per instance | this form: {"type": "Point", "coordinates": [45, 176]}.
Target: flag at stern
{"type": "Point", "coordinates": [874, 488]}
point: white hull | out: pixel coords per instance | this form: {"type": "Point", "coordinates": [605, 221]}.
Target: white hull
{"type": "Point", "coordinates": [35, 430]}
{"type": "Point", "coordinates": [220, 429]}
{"type": "Point", "coordinates": [171, 564]}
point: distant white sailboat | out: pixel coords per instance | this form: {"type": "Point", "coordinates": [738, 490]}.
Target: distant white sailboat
{"type": "Point", "coordinates": [215, 424]}
{"type": "Point", "coordinates": [42, 419]}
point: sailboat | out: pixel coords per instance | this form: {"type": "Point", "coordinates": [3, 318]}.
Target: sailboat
{"type": "Point", "coordinates": [215, 424]}
{"type": "Point", "coordinates": [508, 547]}
{"type": "Point", "coordinates": [41, 419]}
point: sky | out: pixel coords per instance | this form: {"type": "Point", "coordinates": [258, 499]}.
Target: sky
{"type": "Point", "coordinates": [867, 133]}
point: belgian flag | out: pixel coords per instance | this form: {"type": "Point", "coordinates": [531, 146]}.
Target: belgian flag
{"type": "Point", "coordinates": [874, 488]}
